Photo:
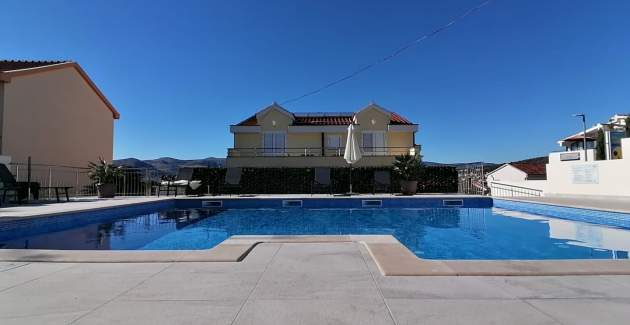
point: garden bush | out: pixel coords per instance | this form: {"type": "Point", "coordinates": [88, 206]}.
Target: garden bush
{"type": "Point", "coordinates": [432, 179]}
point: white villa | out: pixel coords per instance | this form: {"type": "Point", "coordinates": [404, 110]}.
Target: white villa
{"type": "Point", "coordinates": [575, 171]}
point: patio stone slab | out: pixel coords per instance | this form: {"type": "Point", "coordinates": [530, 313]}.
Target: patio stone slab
{"type": "Point", "coordinates": [586, 311]}
{"type": "Point", "coordinates": [316, 271]}
{"type": "Point", "coordinates": [79, 288]}
{"type": "Point", "coordinates": [162, 312]}
{"type": "Point", "coordinates": [23, 274]}
{"type": "Point", "coordinates": [466, 312]}
{"type": "Point", "coordinates": [187, 282]}
{"type": "Point", "coordinates": [316, 312]}
{"type": "Point", "coordinates": [10, 265]}
{"type": "Point", "coordinates": [440, 287]}
{"type": "Point", "coordinates": [48, 319]}
{"type": "Point", "coordinates": [564, 287]}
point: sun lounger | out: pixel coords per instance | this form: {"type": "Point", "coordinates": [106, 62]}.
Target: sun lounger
{"type": "Point", "coordinates": [183, 180]}
{"type": "Point", "coordinates": [232, 182]}
{"type": "Point", "coordinates": [322, 181]}
{"type": "Point", "coordinates": [20, 189]}
{"type": "Point", "coordinates": [382, 182]}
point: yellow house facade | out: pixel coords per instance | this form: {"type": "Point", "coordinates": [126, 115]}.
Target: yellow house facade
{"type": "Point", "coordinates": [275, 137]}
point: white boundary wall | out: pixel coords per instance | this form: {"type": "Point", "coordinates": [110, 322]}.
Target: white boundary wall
{"type": "Point", "coordinates": [592, 177]}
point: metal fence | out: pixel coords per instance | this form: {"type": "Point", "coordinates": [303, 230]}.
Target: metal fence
{"type": "Point", "coordinates": [472, 180]}
{"type": "Point", "coordinates": [133, 182]}
{"type": "Point", "coordinates": [508, 190]}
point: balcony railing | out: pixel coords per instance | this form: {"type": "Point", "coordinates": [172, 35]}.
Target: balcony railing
{"type": "Point", "coordinates": [318, 151]}
{"type": "Point", "coordinates": [133, 182]}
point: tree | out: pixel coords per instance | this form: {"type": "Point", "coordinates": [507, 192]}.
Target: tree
{"type": "Point", "coordinates": [627, 127]}
{"type": "Point", "coordinates": [600, 149]}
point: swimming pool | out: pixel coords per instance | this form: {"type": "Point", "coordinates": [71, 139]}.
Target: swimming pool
{"type": "Point", "coordinates": [510, 230]}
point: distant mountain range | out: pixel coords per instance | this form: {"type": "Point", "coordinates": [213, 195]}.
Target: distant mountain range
{"type": "Point", "coordinates": [168, 165]}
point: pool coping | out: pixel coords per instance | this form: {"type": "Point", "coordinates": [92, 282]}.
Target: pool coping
{"type": "Point", "coordinates": [391, 257]}
{"type": "Point", "coordinates": [560, 205]}
{"type": "Point", "coordinates": [81, 206]}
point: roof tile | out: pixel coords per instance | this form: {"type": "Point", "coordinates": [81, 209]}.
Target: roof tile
{"type": "Point", "coordinates": [8, 65]}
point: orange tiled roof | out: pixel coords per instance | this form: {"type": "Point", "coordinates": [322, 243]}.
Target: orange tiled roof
{"type": "Point", "coordinates": [531, 169]}
{"type": "Point", "coordinates": [8, 65]}
{"type": "Point", "coordinates": [328, 119]}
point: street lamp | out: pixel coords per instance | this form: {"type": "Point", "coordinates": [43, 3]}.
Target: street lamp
{"type": "Point", "coordinates": [583, 116]}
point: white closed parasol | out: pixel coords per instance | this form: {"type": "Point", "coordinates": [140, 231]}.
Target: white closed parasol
{"type": "Point", "coordinates": [352, 153]}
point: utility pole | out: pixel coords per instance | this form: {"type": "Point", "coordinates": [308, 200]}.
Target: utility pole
{"type": "Point", "coordinates": [583, 116]}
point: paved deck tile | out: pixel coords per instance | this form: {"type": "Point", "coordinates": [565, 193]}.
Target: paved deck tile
{"type": "Point", "coordinates": [298, 283]}
{"type": "Point", "coordinates": [315, 312]}
{"type": "Point", "coordinates": [466, 312]}
{"type": "Point", "coordinates": [586, 311]}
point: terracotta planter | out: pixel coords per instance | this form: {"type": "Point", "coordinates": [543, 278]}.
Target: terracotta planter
{"type": "Point", "coordinates": [408, 187]}
{"type": "Point", "coordinates": [106, 190]}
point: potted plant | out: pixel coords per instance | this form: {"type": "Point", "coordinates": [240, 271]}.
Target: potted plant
{"type": "Point", "coordinates": [104, 175]}
{"type": "Point", "coordinates": [408, 168]}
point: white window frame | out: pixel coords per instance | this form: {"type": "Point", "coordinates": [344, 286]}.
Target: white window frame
{"type": "Point", "coordinates": [274, 151]}
{"type": "Point", "coordinates": [375, 150]}
{"type": "Point", "coordinates": [336, 150]}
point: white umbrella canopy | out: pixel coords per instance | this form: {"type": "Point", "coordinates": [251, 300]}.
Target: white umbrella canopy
{"type": "Point", "coordinates": [352, 154]}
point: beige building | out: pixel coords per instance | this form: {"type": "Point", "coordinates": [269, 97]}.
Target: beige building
{"type": "Point", "coordinates": [275, 137]}
{"type": "Point", "coordinates": [54, 113]}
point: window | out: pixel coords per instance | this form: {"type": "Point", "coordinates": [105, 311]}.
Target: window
{"type": "Point", "coordinates": [274, 143]}
{"type": "Point", "coordinates": [374, 142]}
{"type": "Point", "coordinates": [333, 141]}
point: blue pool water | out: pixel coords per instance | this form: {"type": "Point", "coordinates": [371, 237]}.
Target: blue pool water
{"type": "Point", "coordinates": [508, 231]}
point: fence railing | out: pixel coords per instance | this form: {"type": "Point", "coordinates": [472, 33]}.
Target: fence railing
{"type": "Point", "coordinates": [472, 179]}
{"type": "Point", "coordinates": [508, 190]}
{"type": "Point", "coordinates": [133, 182]}
{"type": "Point", "coordinates": [316, 152]}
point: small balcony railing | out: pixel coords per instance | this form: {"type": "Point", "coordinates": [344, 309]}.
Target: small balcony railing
{"type": "Point", "coordinates": [318, 151]}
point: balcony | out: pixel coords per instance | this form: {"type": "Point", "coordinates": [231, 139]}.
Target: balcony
{"type": "Point", "coordinates": [312, 157]}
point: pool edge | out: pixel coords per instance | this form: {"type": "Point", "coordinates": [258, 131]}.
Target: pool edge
{"type": "Point", "coordinates": [390, 256]}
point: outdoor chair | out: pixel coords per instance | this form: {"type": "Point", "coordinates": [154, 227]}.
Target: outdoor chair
{"type": "Point", "coordinates": [183, 180]}
{"type": "Point", "coordinates": [20, 189]}
{"type": "Point", "coordinates": [322, 181]}
{"type": "Point", "coordinates": [232, 180]}
{"type": "Point", "coordinates": [382, 182]}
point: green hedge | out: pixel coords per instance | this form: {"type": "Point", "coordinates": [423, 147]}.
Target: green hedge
{"type": "Point", "coordinates": [433, 179]}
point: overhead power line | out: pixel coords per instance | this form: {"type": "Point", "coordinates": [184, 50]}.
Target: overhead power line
{"type": "Point", "coordinates": [392, 55]}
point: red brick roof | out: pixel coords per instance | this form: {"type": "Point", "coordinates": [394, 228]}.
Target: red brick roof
{"type": "Point", "coordinates": [531, 169]}
{"type": "Point", "coordinates": [398, 120]}
{"type": "Point", "coordinates": [8, 65]}
{"type": "Point", "coordinates": [323, 120]}
{"type": "Point", "coordinates": [329, 119]}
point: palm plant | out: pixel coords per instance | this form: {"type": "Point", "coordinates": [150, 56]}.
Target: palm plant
{"type": "Point", "coordinates": [407, 167]}
{"type": "Point", "coordinates": [103, 172]}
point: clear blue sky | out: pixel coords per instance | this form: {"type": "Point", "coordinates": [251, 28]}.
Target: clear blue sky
{"type": "Point", "coordinates": [500, 85]}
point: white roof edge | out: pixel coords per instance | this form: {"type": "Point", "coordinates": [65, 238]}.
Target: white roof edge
{"type": "Point", "coordinates": [592, 128]}
{"type": "Point", "coordinates": [277, 107]}
{"type": "Point", "coordinates": [377, 107]}
{"type": "Point", "coordinates": [245, 128]}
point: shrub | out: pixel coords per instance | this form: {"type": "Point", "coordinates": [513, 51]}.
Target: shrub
{"type": "Point", "coordinates": [600, 149]}
{"type": "Point", "coordinates": [432, 179]}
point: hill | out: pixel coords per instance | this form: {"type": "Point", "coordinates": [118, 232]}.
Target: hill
{"type": "Point", "coordinates": [168, 165]}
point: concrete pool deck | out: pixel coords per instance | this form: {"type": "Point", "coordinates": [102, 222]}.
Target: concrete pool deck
{"type": "Point", "coordinates": [297, 283]}
{"type": "Point", "coordinates": [391, 257]}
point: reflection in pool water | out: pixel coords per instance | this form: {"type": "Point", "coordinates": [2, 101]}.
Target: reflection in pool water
{"type": "Point", "coordinates": [429, 233]}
